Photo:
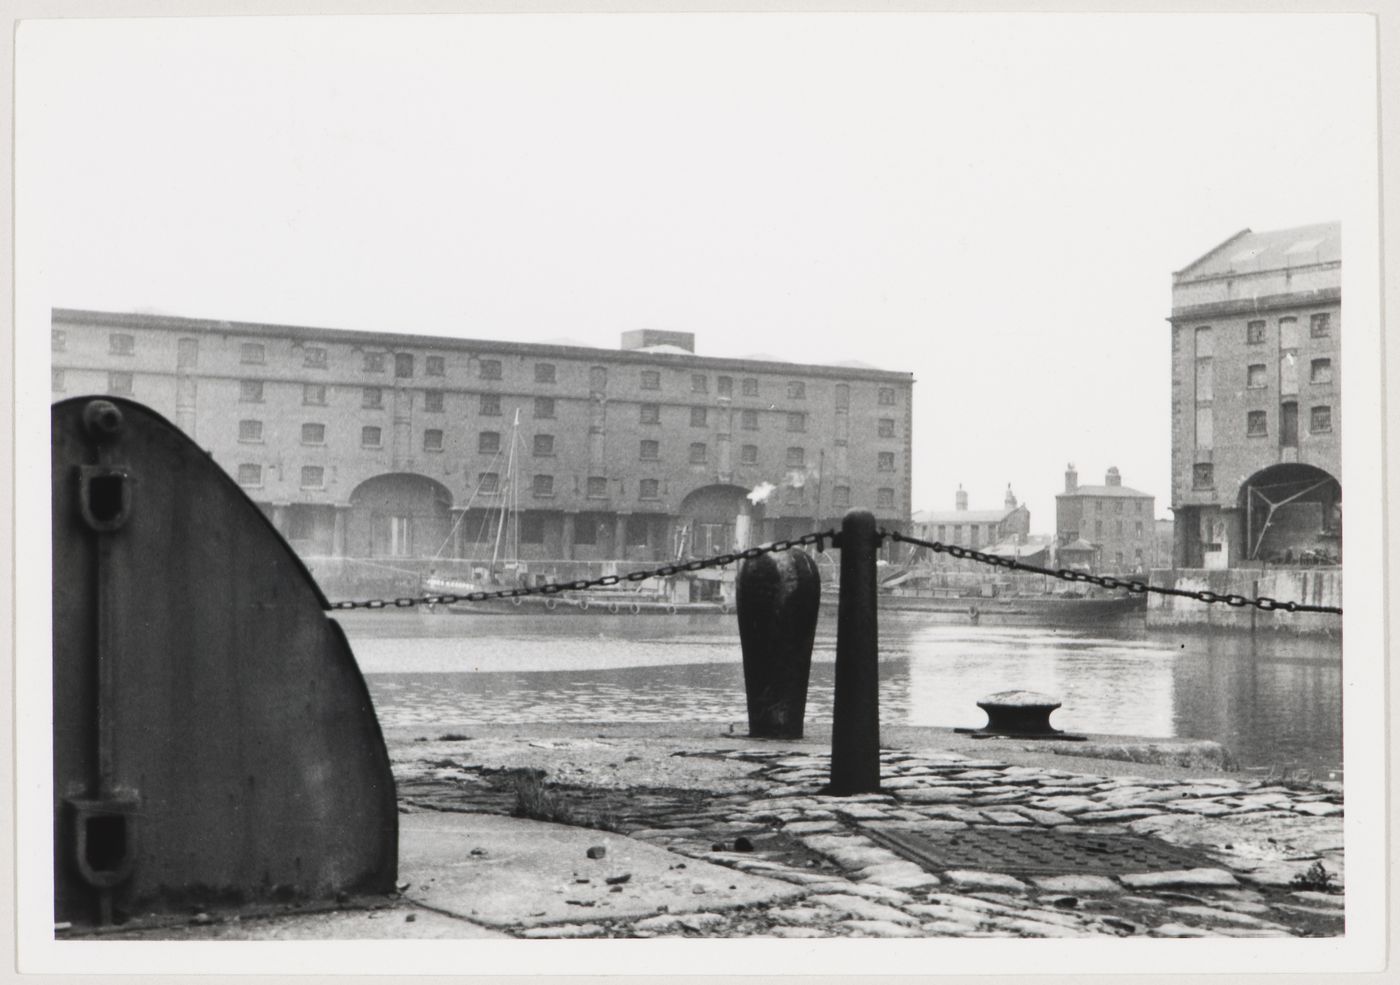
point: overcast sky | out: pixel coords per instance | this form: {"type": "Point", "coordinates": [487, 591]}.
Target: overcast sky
{"type": "Point", "coordinates": [994, 203]}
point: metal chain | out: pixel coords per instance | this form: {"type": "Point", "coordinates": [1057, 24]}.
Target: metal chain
{"type": "Point", "coordinates": [1133, 586]}
{"type": "Point", "coordinates": [606, 581]}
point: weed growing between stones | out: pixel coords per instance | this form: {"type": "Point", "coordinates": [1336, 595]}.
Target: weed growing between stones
{"type": "Point", "coordinates": [534, 799]}
{"type": "Point", "coordinates": [1316, 879]}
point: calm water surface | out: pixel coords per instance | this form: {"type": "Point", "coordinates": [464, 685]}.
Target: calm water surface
{"type": "Point", "coordinates": [1273, 701]}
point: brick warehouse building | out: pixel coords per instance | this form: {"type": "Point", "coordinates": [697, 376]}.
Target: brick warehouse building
{"type": "Point", "coordinates": [1256, 400]}
{"type": "Point", "coordinates": [361, 444]}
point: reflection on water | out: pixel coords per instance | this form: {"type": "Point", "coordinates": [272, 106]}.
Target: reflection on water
{"type": "Point", "coordinates": [1274, 701]}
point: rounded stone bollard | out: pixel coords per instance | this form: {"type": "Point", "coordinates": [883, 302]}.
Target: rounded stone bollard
{"type": "Point", "coordinates": [777, 597]}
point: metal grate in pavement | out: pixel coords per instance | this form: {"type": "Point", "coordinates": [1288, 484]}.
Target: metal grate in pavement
{"type": "Point", "coordinates": [1034, 851]}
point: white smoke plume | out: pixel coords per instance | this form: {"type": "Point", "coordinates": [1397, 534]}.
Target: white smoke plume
{"type": "Point", "coordinates": [761, 492]}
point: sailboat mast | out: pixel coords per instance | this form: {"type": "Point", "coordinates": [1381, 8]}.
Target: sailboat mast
{"type": "Point", "coordinates": [509, 494]}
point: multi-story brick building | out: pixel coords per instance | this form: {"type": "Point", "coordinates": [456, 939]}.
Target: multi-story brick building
{"type": "Point", "coordinates": [1256, 400]}
{"type": "Point", "coordinates": [1108, 527]}
{"type": "Point", "coordinates": [978, 529]}
{"type": "Point", "coordinates": [372, 445]}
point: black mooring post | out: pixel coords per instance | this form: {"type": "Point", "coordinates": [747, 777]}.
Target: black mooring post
{"type": "Point", "coordinates": [778, 597]}
{"type": "Point", "coordinates": [855, 726]}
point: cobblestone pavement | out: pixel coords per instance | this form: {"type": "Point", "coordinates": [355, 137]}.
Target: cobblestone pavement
{"type": "Point", "coordinates": [1253, 858]}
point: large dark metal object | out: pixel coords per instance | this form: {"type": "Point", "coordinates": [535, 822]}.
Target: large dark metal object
{"type": "Point", "coordinates": [855, 725]}
{"type": "Point", "coordinates": [778, 597]}
{"type": "Point", "coordinates": [1019, 715]}
{"type": "Point", "coordinates": [213, 739]}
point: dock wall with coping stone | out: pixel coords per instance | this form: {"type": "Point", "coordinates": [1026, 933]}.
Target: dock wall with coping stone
{"type": "Point", "coordinates": [1310, 586]}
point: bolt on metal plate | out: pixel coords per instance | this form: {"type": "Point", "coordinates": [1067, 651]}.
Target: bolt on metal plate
{"type": "Point", "coordinates": [1034, 851]}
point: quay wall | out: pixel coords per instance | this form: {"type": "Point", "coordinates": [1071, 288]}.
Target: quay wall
{"type": "Point", "coordinates": [1309, 586]}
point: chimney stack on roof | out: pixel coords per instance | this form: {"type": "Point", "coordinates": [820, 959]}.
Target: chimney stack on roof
{"type": "Point", "coordinates": [646, 338]}
{"type": "Point", "coordinates": [1071, 478]}
{"type": "Point", "coordinates": [1113, 478]}
{"type": "Point", "coordinates": [961, 499]}
{"type": "Point", "coordinates": [1010, 501]}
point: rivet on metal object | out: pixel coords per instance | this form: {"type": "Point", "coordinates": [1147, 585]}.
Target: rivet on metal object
{"type": "Point", "coordinates": [1019, 715]}
{"type": "Point", "coordinates": [103, 420]}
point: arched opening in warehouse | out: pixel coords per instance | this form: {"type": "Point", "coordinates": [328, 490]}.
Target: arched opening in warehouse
{"type": "Point", "coordinates": [398, 515]}
{"type": "Point", "coordinates": [1292, 515]}
{"type": "Point", "coordinates": [714, 519]}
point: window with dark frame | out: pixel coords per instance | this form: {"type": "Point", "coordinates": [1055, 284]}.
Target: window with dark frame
{"type": "Point", "coordinates": [886, 396]}
{"type": "Point", "coordinates": [796, 458]}
{"type": "Point", "coordinates": [488, 482]}
{"type": "Point", "coordinates": [650, 413]}
{"type": "Point", "coordinates": [1320, 325]}
{"type": "Point", "coordinates": [313, 394]}
{"type": "Point", "coordinates": [1320, 419]}
{"type": "Point", "coordinates": [490, 405]}
{"type": "Point", "coordinates": [651, 379]}
{"type": "Point", "coordinates": [748, 420]}
{"type": "Point", "coordinates": [313, 434]}
{"type": "Point", "coordinates": [543, 446]}
{"type": "Point", "coordinates": [432, 439]}
{"type": "Point", "coordinates": [797, 422]}
{"type": "Point", "coordinates": [796, 390]}
{"type": "Point", "coordinates": [1321, 371]}
{"type": "Point", "coordinates": [374, 362]}
{"type": "Point", "coordinates": [313, 357]}
{"type": "Point", "coordinates": [884, 498]}
{"type": "Point", "coordinates": [435, 366]}
{"type": "Point", "coordinates": [597, 487]}
{"type": "Point", "coordinates": [543, 485]}
{"type": "Point", "coordinates": [312, 477]}
{"type": "Point", "coordinates": [1254, 332]}
{"type": "Point", "coordinates": [724, 385]}
{"type": "Point", "coordinates": [1256, 376]}
{"type": "Point", "coordinates": [250, 475]}
{"type": "Point", "coordinates": [698, 417]}
{"type": "Point", "coordinates": [489, 369]}
{"type": "Point", "coordinates": [371, 398]}
{"type": "Point", "coordinates": [250, 391]}
{"type": "Point", "coordinates": [544, 408]}
{"type": "Point", "coordinates": [488, 442]}
{"type": "Point", "coordinates": [884, 461]}
{"type": "Point", "coordinates": [371, 436]}
{"type": "Point", "coordinates": [250, 431]}
{"type": "Point", "coordinates": [1203, 475]}
{"type": "Point", "coordinates": [544, 372]}
{"type": "Point", "coordinates": [650, 489]}
{"type": "Point", "coordinates": [403, 365]}
{"type": "Point", "coordinates": [697, 453]}
{"type": "Point", "coordinates": [748, 455]}
{"type": "Point", "coordinates": [886, 427]}
{"type": "Point", "coordinates": [750, 386]}
{"type": "Point", "coordinates": [252, 353]}
{"type": "Point", "coordinates": [121, 344]}
{"type": "Point", "coordinates": [432, 401]}
{"type": "Point", "coordinates": [650, 450]}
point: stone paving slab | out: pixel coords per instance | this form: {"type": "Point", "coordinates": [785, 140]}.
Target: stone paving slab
{"type": "Point", "coordinates": [530, 872]}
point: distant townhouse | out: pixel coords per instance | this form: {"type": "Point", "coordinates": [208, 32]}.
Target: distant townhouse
{"type": "Point", "coordinates": [1107, 528]}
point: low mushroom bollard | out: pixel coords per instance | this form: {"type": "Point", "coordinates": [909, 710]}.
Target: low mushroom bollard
{"type": "Point", "coordinates": [1019, 715]}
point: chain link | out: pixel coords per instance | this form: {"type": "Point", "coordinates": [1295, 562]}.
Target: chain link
{"type": "Point", "coordinates": [818, 540]}
{"type": "Point", "coordinates": [1134, 587]}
